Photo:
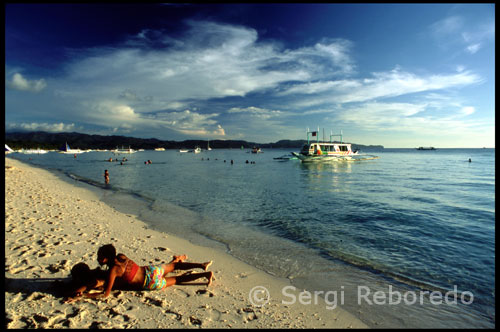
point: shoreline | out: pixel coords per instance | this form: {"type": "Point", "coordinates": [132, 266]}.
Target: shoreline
{"type": "Point", "coordinates": [52, 225]}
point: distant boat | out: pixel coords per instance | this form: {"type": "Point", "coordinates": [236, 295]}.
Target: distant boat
{"type": "Point", "coordinates": [160, 149]}
{"type": "Point", "coordinates": [8, 149]}
{"type": "Point", "coordinates": [123, 150]}
{"type": "Point", "coordinates": [66, 149]}
{"type": "Point", "coordinates": [256, 150]}
{"type": "Point", "coordinates": [208, 146]}
{"type": "Point", "coordinates": [183, 150]}
{"type": "Point", "coordinates": [197, 149]}
{"type": "Point", "coordinates": [426, 148]}
{"type": "Point", "coordinates": [33, 151]}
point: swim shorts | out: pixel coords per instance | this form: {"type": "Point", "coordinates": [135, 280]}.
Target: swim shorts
{"type": "Point", "coordinates": [153, 278]}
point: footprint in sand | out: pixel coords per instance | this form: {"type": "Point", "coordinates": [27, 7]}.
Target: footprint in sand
{"type": "Point", "coordinates": [150, 300]}
{"type": "Point", "coordinates": [195, 321]}
{"type": "Point", "coordinates": [248, 314]}
{"type": "Point", "coordinates": [205, 292]}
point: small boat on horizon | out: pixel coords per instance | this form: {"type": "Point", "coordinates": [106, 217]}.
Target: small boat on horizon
{"type": "Point", "coordinates": [8, 149]}
{"type": "Point", "coordinates": [123, 150]}
{"type": "Point", "coordinates": [256, 150]}
{"type": "Point", "coordinates": [426, 148]}
{"type": "Point", "coordinates": [33, 151]}
{"type": "Point", "coordinates": [67, 150]}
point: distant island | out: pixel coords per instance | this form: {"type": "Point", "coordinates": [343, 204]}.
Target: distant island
{"type": "Point", "coordinates": [54, 141]}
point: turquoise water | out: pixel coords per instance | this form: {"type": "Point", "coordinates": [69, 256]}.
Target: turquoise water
{"type": "Point", "coordinates": [416, 220]}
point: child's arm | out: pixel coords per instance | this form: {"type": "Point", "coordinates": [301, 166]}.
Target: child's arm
{"type": "Point", "coordinates": [108, 286]}
{"type": "Point", "coordinates": [76, 294]}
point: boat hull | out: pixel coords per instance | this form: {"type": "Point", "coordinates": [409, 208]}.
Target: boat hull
{"type": "Point", "coordinates": [322, 158]}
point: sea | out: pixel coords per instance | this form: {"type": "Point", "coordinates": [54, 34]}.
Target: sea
{"type": "Point", "coordinates": [406, 240]}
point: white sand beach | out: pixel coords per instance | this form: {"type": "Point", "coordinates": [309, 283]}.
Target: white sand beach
{"type": "Point", "coordinates": [50, 225]}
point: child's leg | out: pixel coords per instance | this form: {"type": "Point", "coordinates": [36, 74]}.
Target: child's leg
{"type": "Point", "coordinates": [185, 266]}
{"type": "Point", "coordinates": [169, 267]}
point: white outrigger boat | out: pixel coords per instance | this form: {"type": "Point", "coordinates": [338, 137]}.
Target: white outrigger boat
{"type": "Point", "coordinates": [328, 151]}
{"type": "Point", "coordinates": [123, 150]}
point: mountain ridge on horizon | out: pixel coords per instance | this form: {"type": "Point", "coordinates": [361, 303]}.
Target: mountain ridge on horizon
{"type": "Point", "coordinates": [50, 141]}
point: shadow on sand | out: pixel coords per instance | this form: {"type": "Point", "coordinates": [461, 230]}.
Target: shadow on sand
{"type": "Point", "coordinates": [27, 286]}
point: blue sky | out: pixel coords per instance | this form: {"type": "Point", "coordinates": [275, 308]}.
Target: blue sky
{"type": "Point", "coordinates": [400, 75]}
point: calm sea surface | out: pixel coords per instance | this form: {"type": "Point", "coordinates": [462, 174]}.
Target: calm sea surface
{"type": "Point", "coordinates": [417, 221]}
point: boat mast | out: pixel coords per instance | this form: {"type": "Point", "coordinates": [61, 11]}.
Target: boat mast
{"type": "Point", "coordinates": [314, 133]}
{"type": "Point", "coordinates": [336, 135]}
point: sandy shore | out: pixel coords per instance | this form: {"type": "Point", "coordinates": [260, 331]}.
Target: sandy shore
{"type": "Point", "coordinates": [50, 225]}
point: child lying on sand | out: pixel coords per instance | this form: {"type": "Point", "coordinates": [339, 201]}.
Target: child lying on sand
{"type": "Point", "coordinates": [123, 273]}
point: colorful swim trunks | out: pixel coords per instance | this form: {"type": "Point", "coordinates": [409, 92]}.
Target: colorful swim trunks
{"type": "Point", "coordinates": [153, 278]}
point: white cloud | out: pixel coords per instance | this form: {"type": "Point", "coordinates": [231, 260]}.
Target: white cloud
{"type": "Point", "coordinates": [448, 26]}
{"type": "Point", "coordinates": [442, 124]}
{"type": "Point", "coordinates": [19, 82]}
{"type": "Point", "coordinates": [381, 85]}
{"type": "Point", "coordinates": [456, 31]}
{"type": "Point", "coordinates": [473, 48]}
{"type": "Point", "coordinates": [256, 112]}
{"type": "Point", "coordinates": [211, 61]}
{"type": "Point", "coordinates": [49, 127]}
{"type": "Point", "coordinates": [468, 110]}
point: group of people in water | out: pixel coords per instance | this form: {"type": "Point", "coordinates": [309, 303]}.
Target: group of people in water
{"type": "Point", "coordinates": [123, 273]}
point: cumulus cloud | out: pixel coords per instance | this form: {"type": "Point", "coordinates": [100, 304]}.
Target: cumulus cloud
{"type": "Point", "coordinates": [211, 60]}
{"type": "Point", "coordinates": [153, 71]}
{"type": "Point", "coordinates": [440, 118]}
{"type": "Point", "coordinates": [19, 82]}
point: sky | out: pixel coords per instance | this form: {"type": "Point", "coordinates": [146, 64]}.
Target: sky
{"type": "Point", "coordinates": [398, 75]}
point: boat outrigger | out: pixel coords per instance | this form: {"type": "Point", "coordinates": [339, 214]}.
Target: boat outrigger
{"type": "Point", "coordinates": [329, 151]}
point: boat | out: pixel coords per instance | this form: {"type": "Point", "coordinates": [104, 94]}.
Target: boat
{"type": "Point", "coordinates": [329, 151]}
{"type": "Point", "coordinates": [208, 146]}
{"type": "Point", "coordinates": [426, 148]}
{"type": "Point", "coordinates": [183, 150]}
{"type": "Point", "coordinates": [8, 149]}
{"type": "Point", "coordinates": [256, 150]}
{"type": "Point", "coordinates": [123, 150]}
{"type": "Point", "coordinates": [33, 151]}
{"type": "Point", "coordinates": [66, 149]}
{"type": "Point", "coordinates": [160, 149]}
{"type": "Point", "coordinates": [197, 149]}
{"type": "Point", "coordinates": [286, 157]}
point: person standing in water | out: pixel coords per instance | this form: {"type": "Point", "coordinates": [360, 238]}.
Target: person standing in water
{"type": "Point", "coordinates": [106, 176]}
